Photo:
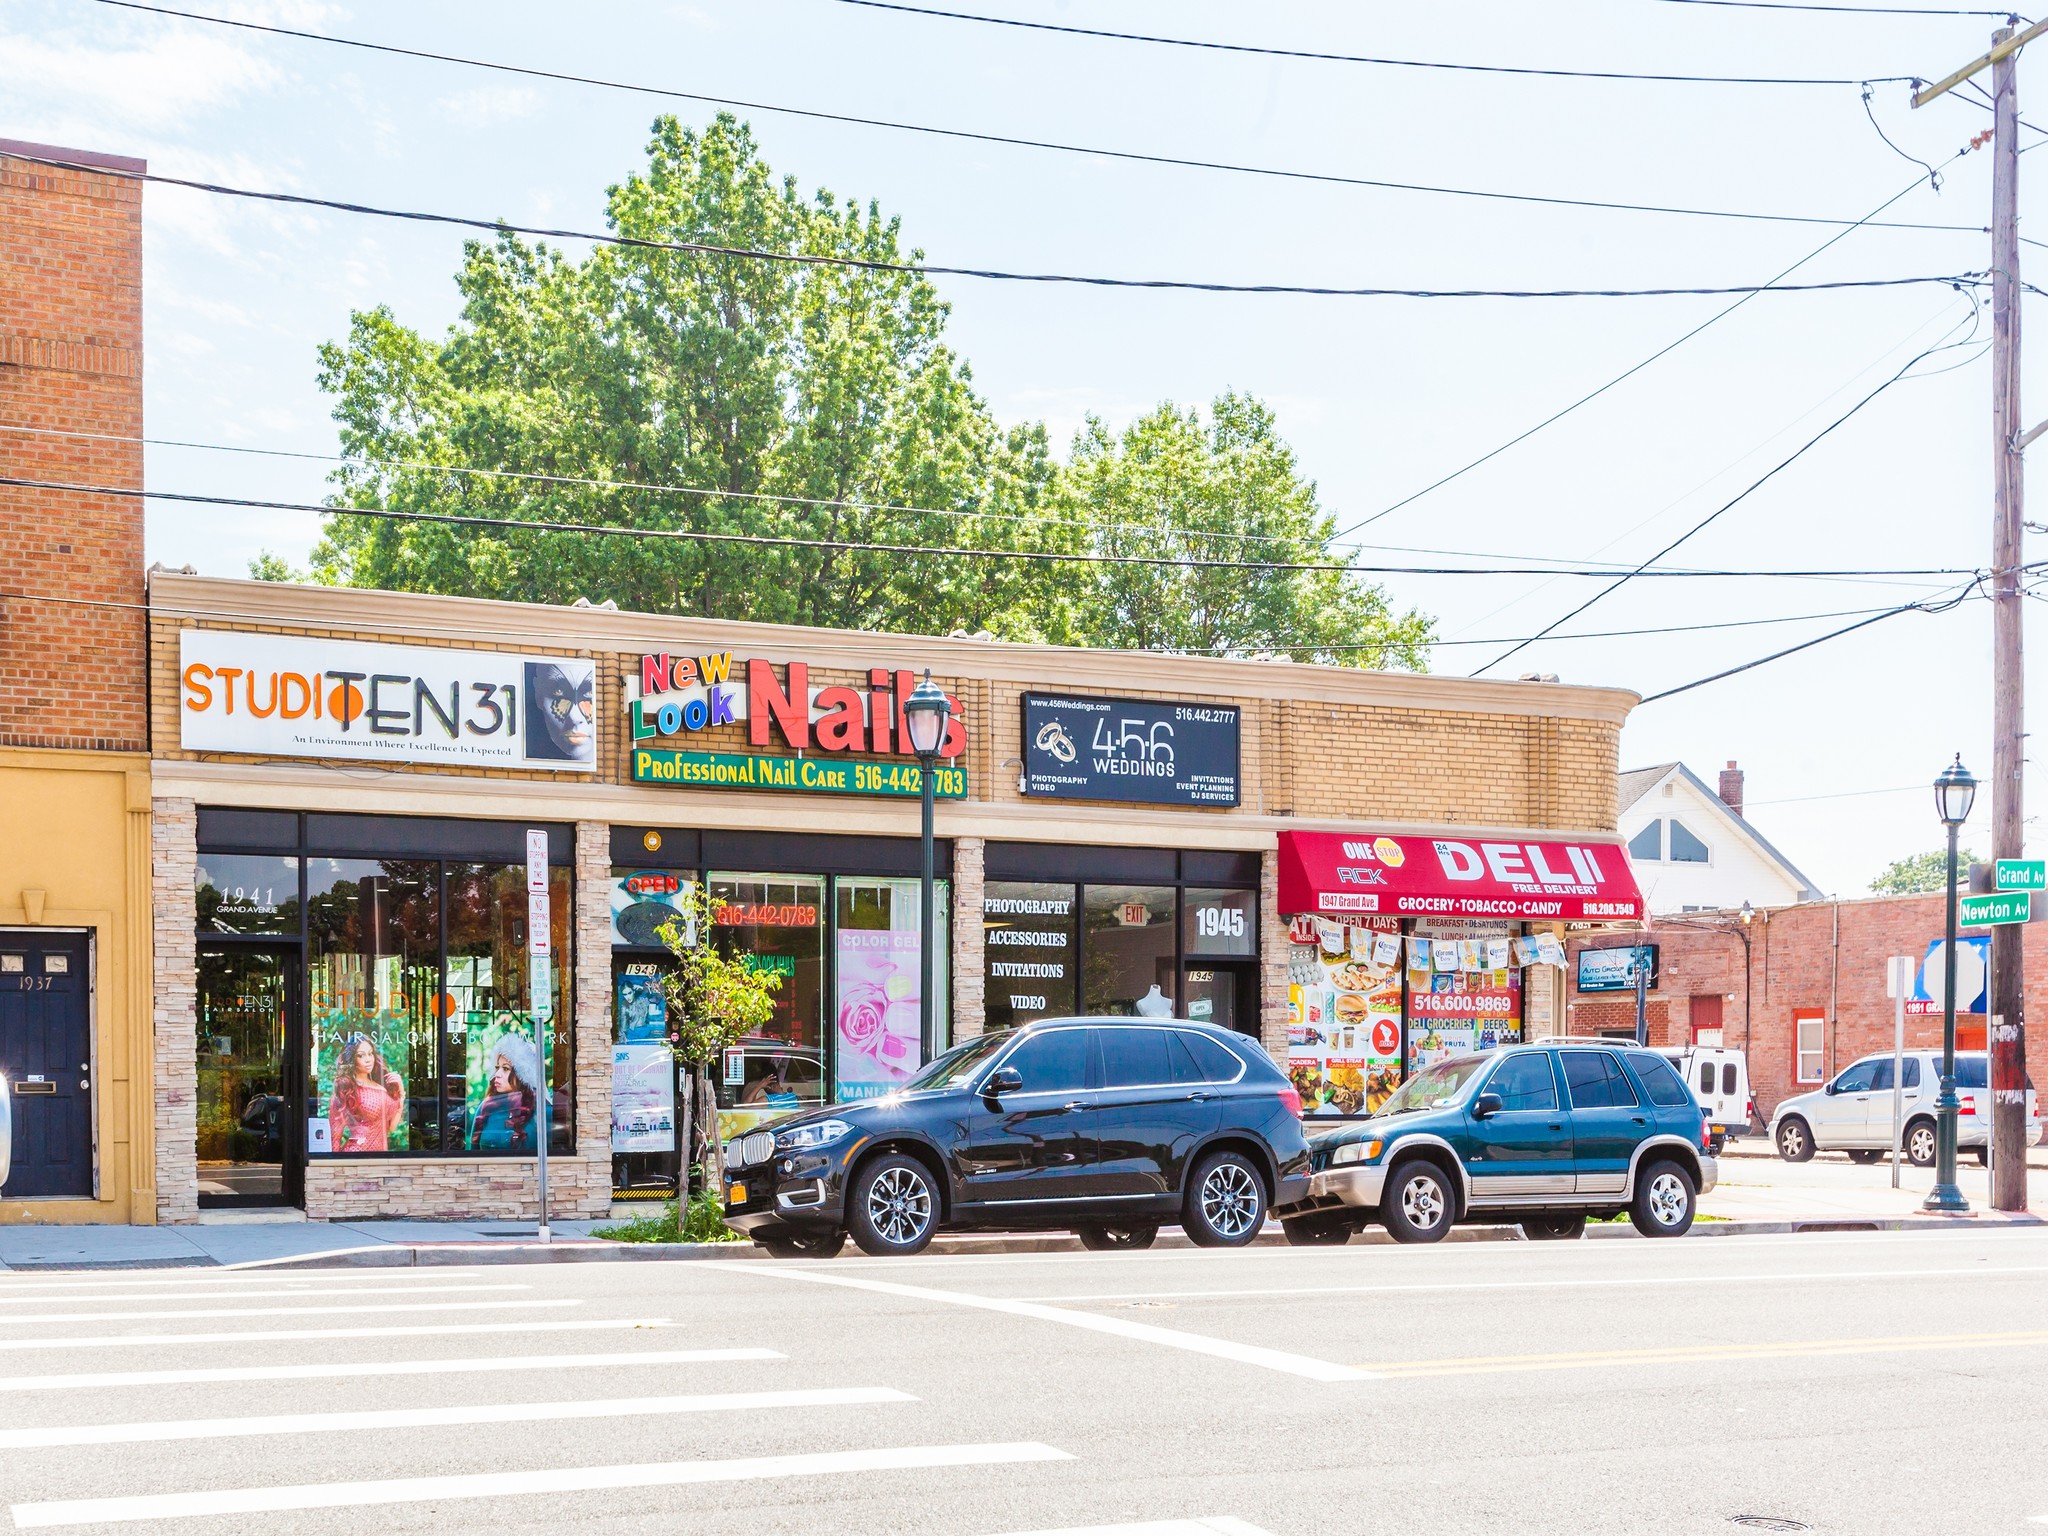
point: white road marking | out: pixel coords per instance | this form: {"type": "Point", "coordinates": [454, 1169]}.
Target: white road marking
{"type": "Point", "coordinates": [1974, 1272]}
{"type": "Point", "coordinates": [421, 1306]}
{"type": "Point", "coordinates": [1195, 1343]}
{"type": "Point", "coordinates": [423, 1330]}
{"type": "Point", "coordinates": [1213, 1525]}
{"type": "Point", "coordinates": [431, 1418]}
{"type": "Point", "coordinates": [353, 1369]}
{"type": "Point", "coordinates": [223, 1274]}
{"type": "Point", "coordinates": [395, 1290]}
{"type": "Point", "coordinates": [510, 1482]}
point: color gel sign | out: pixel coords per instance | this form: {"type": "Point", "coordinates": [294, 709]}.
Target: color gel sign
{"type": "Point", "coordinates": [293, 696]}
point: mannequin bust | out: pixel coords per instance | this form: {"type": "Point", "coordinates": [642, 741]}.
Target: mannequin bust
{"type": "Point", "coordinates": [1154, 1004]}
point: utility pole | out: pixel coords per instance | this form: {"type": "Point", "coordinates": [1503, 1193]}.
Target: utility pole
{"type": "Point", "coordinates": [2006, 1023]}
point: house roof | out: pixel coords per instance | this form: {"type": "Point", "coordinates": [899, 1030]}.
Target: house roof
{"type": "Point", "coordinates": [1634, 783]}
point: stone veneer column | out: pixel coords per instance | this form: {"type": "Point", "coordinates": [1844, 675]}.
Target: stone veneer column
{"type": "Point", "coordinates": [970, 971]}
{"type": "Point", "coordinates": [174, 851]}
{"type": "Point", "coordinates": [1272, 959]}
{"type": "Point", "coordinates": [592, 1002]}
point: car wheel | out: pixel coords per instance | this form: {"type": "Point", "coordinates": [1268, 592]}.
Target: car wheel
{"type": "Point", "coordinates": [1318, 1231]}
{"type": "Point", "coordinates": [1418, 1205]}
{"type": "Point", "coordinates": [1795, 1141]}
{"type": "Point", "coordinates": [1554, 1226]}
{"type": "Point", "coordinates": [1983, 1157]}
{"type": "Point", "coordinates": [1920, 1143]}
{"type": "Point", "coordinates": [1102, 1239]}
{"type": "Point", "coordinates": [1864, 1155]}
{"type": "Point", "coordinates": [805, 1245]}
{"type": "Point", "coordinates": [1664, 1202]}
{"type": "Point", "coordinates": [892, 1208]}
{"type": "Point", "coordinates": [1226, 1202]}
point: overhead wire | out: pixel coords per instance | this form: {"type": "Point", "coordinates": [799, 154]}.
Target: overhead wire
{"type": "Point", "coordinates": [1018, 142]}
{"type": "Point", "coordinates": [1847, 10]}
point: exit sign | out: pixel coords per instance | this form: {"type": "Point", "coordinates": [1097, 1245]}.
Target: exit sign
{"type": "Point", "coordinates": [1986, 911]}
{"type": "Point", "coordinates": [2020, 875]}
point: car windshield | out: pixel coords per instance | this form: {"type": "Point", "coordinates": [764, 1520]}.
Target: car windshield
{"type": "Point", "coordinates": [1435, 1086]}
{"type": "Point", "coordinates": [958, 1064]}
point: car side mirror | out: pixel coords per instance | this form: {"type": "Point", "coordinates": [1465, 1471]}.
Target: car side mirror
{"type": "Point", "coordinates": [1002, 1080]}
{"type": "Point", "coordinates": [1486, 1106]}
{"type": "Point", "coordinates": [1829, 1089]}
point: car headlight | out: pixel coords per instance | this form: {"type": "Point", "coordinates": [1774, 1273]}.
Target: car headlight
{"type": "Point", "coordinates": [808, 1138]}
{"type": "Point", "coordinates": [1355, 1152]}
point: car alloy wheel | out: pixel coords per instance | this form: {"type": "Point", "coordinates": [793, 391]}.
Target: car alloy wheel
{"type": "Point", "coordinates": [1100, 1238]}
{"type": "Point", "coordinates": [1795, 1144]}
{"type": "Point", "coordinates": [1920, 1145]}
{"type": "Point", "coordinates": [899, 1205]}
{"type": "Point", "coordinates": [1422, 1202]}
{"type": "Point", "coordinates": [1667, 1199]}
{"type": "Point", "coordinates": [1231, 1200]}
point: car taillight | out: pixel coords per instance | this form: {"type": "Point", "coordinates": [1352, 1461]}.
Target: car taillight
{"type": "Point", "coordinates": [1706, 1137]}
{"type": "Point", "coordinates": [1292, 1100]}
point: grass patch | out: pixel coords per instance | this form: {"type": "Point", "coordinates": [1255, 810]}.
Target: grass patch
{"type": "Point", "coordinates": [704, 1224]}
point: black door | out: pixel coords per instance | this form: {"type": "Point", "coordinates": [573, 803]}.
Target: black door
{"type": "Point", "coordinates": [46, 1057]}
{"type": "Point", "coordinates": [1224, 993]}
{"type": "Point", "coordinates": [251, 1056]}
{"type": "Point", "coordinates": [1037, 1144]}
{"type": "Point", "coordinates": [1153, 1111]}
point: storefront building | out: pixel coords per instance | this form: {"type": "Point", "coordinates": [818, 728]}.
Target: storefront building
{"type": "Point", "coordinates": [355, 795]}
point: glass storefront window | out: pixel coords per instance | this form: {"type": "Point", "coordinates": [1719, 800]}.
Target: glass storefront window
{"type": "Point", "coordinates": [246, 893]}
{"type": "Point", "coordinates": [491, 1093]}
{"type": "Point", "coordinates": [373, 971]}
{"type": "Point", "coordinates": [1029, 933]}
{"type": "Point", "coordinates": [1130, 966]}
{"type": "Point", "coordinates": [878, 1044]}
{"type": "Point", "coordinates": [1469, 997]}
{"type": "Point", "coordinates": [1218, 924]}
{"type": "Point", "coordinates": [778, 922]}
{"type": "Point", "coordinates": [242, 1123]}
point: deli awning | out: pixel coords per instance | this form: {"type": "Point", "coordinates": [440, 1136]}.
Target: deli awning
{"type": "Point", "coordinates": [1456, 877]}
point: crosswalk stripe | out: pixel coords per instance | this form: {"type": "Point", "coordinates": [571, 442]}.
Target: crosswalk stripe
{"type": "Point", "coordinates": [353, 1369]}
{"type": "Point", "coordinates": [510, 1482]}
{"type": "Point", "coordinates": [418, 1306]}
{"type": "Point", "coordinates": [400, 1331]}
{"type": "Point", "coordinates": [1212, 1525]}
{"type": "Point", "coordinates": [184, 1279]}
{"type": "Point", "coordinates": [453, 1413]}
{"type": "Point", "coordinates": [395, 1290]}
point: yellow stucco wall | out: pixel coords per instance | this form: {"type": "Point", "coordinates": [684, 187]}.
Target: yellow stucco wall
{"type": "Point", "coordinates": [74, 853]}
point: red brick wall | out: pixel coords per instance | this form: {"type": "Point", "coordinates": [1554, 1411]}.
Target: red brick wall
{"type": "Point", "coordinates": [72, 673]}
{"type": "Point", "coordinates": [1800, 960]}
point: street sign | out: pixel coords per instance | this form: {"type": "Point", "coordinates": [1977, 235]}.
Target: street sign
{"type": "Point", "coordinates": [1987, 911]}
{"type": "Point", "coordinates": [2021, 875]}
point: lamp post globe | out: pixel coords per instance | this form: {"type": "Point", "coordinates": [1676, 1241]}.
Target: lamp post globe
{"type": "Point", "coordinates": [925, 714]}
{"type": "Point", "coordinates": [1954, 792]}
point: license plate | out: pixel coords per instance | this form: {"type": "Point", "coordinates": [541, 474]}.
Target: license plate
{"type": "Point", "coordinates": [1719, 1129]}
{"type": "Point", "coordinates": [737, 1195]}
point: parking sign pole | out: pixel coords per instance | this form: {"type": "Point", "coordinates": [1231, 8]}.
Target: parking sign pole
{"type": "Point", "coordinates": [540, 986]}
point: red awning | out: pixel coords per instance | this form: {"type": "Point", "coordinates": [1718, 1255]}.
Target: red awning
{"type": "Point", "coordinates": [1455, 877]}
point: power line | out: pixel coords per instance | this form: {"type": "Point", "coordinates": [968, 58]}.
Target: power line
{"type": "Point", "coordinates": [860, 546]}
{"type": "Point", "coordinates": [1726, 506]}
{"type": "Point", "coordinates": [1344, 58]}
{"type": "Point", "coordinates": [1847, 10]}
{"type": "Point", "coordinates": [1621, 378]}
{"type": "Point", "coordinates": [1016, 142]}
{"type": "Point", "coordinates": [1600, 634]}
{"type": "Point", "coordinates": [928, 269]}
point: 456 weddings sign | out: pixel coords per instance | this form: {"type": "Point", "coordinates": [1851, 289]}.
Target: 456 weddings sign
{"type": "Point", "coordinates": [1146, 750]}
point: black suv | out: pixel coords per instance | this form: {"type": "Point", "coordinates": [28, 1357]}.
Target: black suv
{"type": "Point", "coordinates": [1107, 1126]}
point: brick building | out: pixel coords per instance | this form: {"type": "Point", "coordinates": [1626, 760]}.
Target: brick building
{"type": "Point", "coordinates": [1814, 998]}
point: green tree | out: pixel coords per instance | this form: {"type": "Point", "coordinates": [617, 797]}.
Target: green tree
{"type": "Point", "coordinates": [1922, 872]}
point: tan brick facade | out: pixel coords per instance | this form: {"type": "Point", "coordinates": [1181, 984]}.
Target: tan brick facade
{"type": "Point", "coordinates": [970, 982]}
{"type": "Point", "coordinates": [174, 845]}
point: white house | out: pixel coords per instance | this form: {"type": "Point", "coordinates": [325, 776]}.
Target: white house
{"type": "Point", "coordinates": [1692, 850]}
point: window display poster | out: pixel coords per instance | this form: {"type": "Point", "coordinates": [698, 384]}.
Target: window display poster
{"type": "Point", "coordinates": [1475, 1004]}
{"type": "Point", "coordinates": [642, 902]}
{"type": "Point", "coordinates": [503, 1084]}
{"type": "Point", "coordinates": [362, 1056]}
{"type": "Point", "coordinates": [643, 1098]}
{"type": "Point", "coordinates": [878, 1028]}
{"type": "Point", "coordinates": [643, 1010]}
{"type": "Point", "coordinates": [1344, 1029]}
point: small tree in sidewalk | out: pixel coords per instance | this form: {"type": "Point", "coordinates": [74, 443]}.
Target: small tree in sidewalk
{"type": "Point", "coordinates": [714, 1002]}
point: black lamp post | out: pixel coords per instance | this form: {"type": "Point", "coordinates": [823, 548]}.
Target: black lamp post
{"type": "Point", "coordinates": [925, 714]}
{"type": "Point", "coordinates": [1953, 793]}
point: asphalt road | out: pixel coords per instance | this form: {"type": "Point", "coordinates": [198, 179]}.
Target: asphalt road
{"type": "Point", "coordinates": [1856, 1383]}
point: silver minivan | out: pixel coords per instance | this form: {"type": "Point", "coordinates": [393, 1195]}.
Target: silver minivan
{"type": "Point", "coordinates": [1853, 1113]}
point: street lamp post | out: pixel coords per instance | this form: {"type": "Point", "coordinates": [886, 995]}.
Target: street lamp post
{"type": "Point", "coordinates": [925, 714]}
{"type": "Point", "coordinates": [1953, 793]}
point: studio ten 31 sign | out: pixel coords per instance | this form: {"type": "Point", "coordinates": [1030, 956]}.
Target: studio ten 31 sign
{"type": "Point", "coordinates": [1159, 753]}
{"type": "Point", "coordinates": [298, 696]}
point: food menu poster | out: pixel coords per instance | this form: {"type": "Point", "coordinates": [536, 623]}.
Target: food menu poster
{"type": "Point", "coordinates": [1464, 990]}
{"type": "Point", "coordinates": [1344, 1027]}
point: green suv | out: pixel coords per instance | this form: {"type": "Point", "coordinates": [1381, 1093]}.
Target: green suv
{"type": "Point", "coordinates": [1541, 1136]}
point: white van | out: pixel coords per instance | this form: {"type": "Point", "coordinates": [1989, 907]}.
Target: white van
{"type": "Point", "coordinates": [1719, 1079]}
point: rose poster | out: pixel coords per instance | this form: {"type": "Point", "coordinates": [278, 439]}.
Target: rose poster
{"type": "Point", "coordinates": [878, 1011]}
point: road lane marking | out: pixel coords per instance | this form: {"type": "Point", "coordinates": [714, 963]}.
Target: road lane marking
{"type": "Point", "coordinates": [402, 1331]}
{"type": "Point", "coordinates": [1972, 1272]}
{"type": "Point", "coordinates": [353, 1369]}
{"type": "Point", "coordinates": [1213, 1525]}
{"type": "Point", "coordinates": [42, 1280]}
{"type": "Point", "coordinates": [1690, 1354]}
{"type": "Point", "coordinates": [394, 1290]}
{"type": "Point", "coordinates": [431, 1418]}
{"type": "Point", "coordinates": [1146, 1333]}
{"type": "Point", "coordinates": [509, 1482]}
{"type": "Point", "coordinates": [420, 1306]}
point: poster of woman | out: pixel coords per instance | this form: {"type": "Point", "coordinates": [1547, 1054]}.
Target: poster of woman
{"type": "Point", "coordinates": [878, 1010]}
{"type": "Point", "coordinates": [365, 1097]}
{"type": "Point", "coordinates": [503, 1083]}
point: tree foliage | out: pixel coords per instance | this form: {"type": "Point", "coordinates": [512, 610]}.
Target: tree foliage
{"type": "Point", "coordinates": [806, 402]}
{"type": "Point", "coordinates": [1921, 872]}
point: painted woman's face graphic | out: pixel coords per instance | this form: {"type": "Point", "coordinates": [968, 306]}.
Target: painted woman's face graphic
{"type": "Point", "coordinates": [559, 713]}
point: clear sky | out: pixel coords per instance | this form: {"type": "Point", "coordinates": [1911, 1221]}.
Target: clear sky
{"type": "Point", "coordinates": [1379, 396]}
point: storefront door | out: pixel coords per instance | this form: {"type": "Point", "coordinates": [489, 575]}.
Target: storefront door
{"type": "Point", "coordinates": [251, 1114]}
{"type": "Point", "coordinates": [46, 1058]}
{"type": "Point", "coordinates": [1224, 994]}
